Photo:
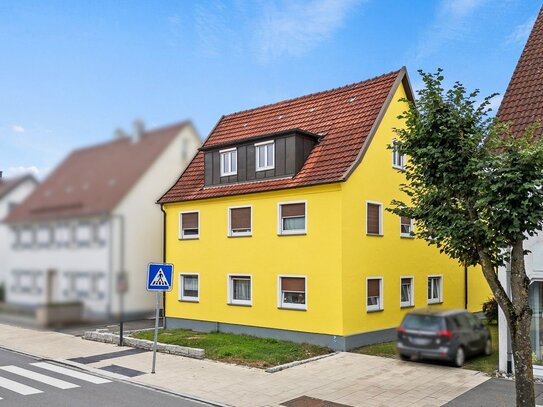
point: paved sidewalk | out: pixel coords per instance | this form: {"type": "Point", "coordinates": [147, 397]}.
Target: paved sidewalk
{"type": "Point", "coordinates": [346, 378]}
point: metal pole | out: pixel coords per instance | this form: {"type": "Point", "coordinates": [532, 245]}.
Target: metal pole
{"type": "Point", "coordinates": [156, 329]}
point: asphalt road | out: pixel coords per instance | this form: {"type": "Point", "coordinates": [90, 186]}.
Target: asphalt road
{"type": "Point", "coordinates": [29, 382]}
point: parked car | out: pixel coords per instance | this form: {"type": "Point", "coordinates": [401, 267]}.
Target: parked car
{"type": "Point", "coordinates": [448, 335]}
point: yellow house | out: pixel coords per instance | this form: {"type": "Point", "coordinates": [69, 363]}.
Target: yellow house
{"type": "Point", "coordinates": [278, 226]}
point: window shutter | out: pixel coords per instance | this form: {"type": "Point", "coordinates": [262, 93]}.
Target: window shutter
{"type": "Point", "coordinates": [406, 281]}
{"type": "Point", "coordinates": [190, 220]}
{"type": "Point", "coordinates": [240, 218]}
{"type": "Point", "coordinates": [373, 288]}
{"type": "Point", "coordinates": [373, 215]}
{"type": "Point", "coordinates": [293, 210]}
{"type": "Point", "coordinates": [292, 284]}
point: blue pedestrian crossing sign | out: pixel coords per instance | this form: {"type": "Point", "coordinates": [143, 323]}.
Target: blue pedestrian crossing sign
{"type": "Point", "coordinates": [159, 277]}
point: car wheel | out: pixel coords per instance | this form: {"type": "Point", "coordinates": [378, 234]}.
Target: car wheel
{"type": "Point", "coordinates": [404, 357]}
{"type": "Point", "coordinates": [488, 347]}
{"type": "Point", "coordinates": [459, 357]}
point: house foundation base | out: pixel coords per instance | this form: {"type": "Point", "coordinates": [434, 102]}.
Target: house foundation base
{"type": "Point", "coordinates": [335, 342]}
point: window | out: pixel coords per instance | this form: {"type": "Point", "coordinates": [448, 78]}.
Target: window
{"type": "Point", "coordinates": [190, 225]}
{"type": "Point", "coordinates": [239, 221]}
{"type": "Point", "coordinates": [374, 224]}
{"type": "Point", "coordinates": [406, 292]}
{"type": "Point", "coordinates": [292, 292]}
{"type": "Point", "coordinates": [189, 288]}
{"type": "Point", "coordinates": [435, 289]}
{"type": "Point", "coordinates": [398, 160]}
{"type": "Point", "coordinates": [265, 155]}
{"type": "Point", "coordinates": [239, 290]}
{"type": "Point", "coordinates": [406, 226]}
{"type": "Point", "coordinates": [229, 162]}
{"type": "Point", "coordinates": [374, 294]}
{"type": "Point", "coordinates": [292, 218]}
{"type": "Point", "coordinates": [83, 233]}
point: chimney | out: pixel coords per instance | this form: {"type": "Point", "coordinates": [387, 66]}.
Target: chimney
{"type": "Point", "coordinates": [119, 134]}
{"type": "Point", "coordinates": [138, 128]}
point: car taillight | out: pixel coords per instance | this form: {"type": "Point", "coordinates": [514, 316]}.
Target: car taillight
{"type": "Point", "coordinates": [446, 333]}
{"type": "Point", "coordinates": [400, 330]}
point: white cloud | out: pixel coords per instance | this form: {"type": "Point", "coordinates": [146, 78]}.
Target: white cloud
{"type": "Point", "coordinates": [451, 23]}
{"type": "Point", "coordinates": [17, 128]}
{"type": "Point", "coordinates": [21, 170]}
{"type": "Point", "coordinates": [296, 27]}
{"type": "Point", "coordinates": [521, 32]}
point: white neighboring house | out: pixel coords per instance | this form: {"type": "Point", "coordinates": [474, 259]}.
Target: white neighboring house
{"type": "Point", "coordinates": [521, 107]}
{"type": "Point", "coordinates": [12, 192]}
{"type": "Point", "coordinates": [95, 219]}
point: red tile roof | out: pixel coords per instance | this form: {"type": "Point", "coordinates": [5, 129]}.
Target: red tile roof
{"type": "Point", "coordinates": [346, 116]}
{"type": "Point", "coordinates": [522, 104]}
{"type": "Point", "coordinates": [95, 179]}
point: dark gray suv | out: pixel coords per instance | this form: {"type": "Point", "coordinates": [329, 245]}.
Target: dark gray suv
{"type": "Point", "coordinates": [449, 335]}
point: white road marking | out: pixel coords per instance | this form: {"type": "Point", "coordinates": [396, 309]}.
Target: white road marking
{"type": "Point", "coordinates": [71, 373]}
{"type": "Point", "coordinates": [51, 381]}
{"type": "Point", "coordinates": [18, 387]}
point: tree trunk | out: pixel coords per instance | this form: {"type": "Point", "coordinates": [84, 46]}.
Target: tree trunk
{"type": "Point", "coordinates": [520, 329]}
{"type": "Point", "coordinates": [518, 314]}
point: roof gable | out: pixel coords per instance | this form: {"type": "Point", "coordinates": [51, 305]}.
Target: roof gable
{"type": "Point", "coordinates": [95, 179]}
{"type": "Point", "coordinates": [344, 118]}
{"type": "Point", "coordinates": [9, 184]}
{"type": "Point", "coordinates": [522, 104]}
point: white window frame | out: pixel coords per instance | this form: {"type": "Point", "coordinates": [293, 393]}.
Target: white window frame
{"type": "Point", "coordinates": [380, 306]}
{"type": "Point", "coordinates": [181, 286]}
{"type": "Point", "coordinates": [230, 290]}
{"type": "Point", "coordinates": [380, 218]}
{"type": "Point", "coordinates": [280, 303]}
{"type": "Point", "coordinates": [181, 234]}
{"type": "Point", "coordinates": [257, 159]}
{"type": "Point", "coordinates": [438, 300]}
{"type": "Point", "coordinates": [401, 157]}
{"type": "Point", "coordinates": [404, 304]}
{"type": "Point", "coordinates": [280, 230]}
{"type": "Point", "coordinates": [228, 152]}
{"type": "Point", "coordinates": [229, 218]}
{"type": "Point", "coordinates": [409, 235]}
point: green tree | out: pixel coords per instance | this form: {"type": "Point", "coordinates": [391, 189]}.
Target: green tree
{"type": "Point", "coordinates": [474, 191]}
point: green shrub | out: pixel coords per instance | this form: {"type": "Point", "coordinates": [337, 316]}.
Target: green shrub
{"type": "Point", "coordinates": [490, 308]}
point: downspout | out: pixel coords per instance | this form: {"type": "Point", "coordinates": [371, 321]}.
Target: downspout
{"type": "Point", "coordinates": [164, 261]}
{"type": "Point", "coordinates": [465, 287]}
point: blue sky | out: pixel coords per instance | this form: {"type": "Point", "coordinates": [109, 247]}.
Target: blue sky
{"type": "Point", "coordinates": [73, 71]}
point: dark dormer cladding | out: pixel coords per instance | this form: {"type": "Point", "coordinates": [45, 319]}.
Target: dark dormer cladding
{"type": "Point", "coordinates": [269, 156]}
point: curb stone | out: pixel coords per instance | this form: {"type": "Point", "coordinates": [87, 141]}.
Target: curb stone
{"type": "Point", "coordinates": [276, 369]}
{"type": "Point", "coordinates": [107, 337]}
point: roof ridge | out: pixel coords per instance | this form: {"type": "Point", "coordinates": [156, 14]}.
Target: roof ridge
{"type": "Point", "coordinates": [339, 88]}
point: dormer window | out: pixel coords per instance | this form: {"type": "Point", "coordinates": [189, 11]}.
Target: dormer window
{"type": "Point", "coordinates": [229, 162]}
{"type": "Point", "coordinates": [265, 156]}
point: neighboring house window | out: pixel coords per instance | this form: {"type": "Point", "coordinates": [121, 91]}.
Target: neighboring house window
{"type": "Point", "coordinates": [435, 289]}
{"type": "Point", "coordinates": [44, 235]}
{"type": "Point", "coordinates": [184, 149]}
{"type": "Point", "coordinates": [239, 290]}
{"type": "Point", "coordinates": [63, 234]}
{"type": "Point", "coordinates": [239, 221]}
{"type": "Point", "coordinates": [16, 234]}
{"type": "Point", "coordinates": [265, 155]}
{"type": "Point", "coordinates": [374, 222]}
{"type": "Point", "coordinates": [101, 231]}
{"type": "Point", "coordinates": [229, 162]}
{"type": "Point", "coordinates": [406, 292]}
{"type": "Point", "coordinates": [406, 226]}
{"type": "Point", "coordinates": [189, 289]}
{"type": "Point", "coordinates": [27, 236]}
{"type": "Point", "coordinates": [292, 218]}
{"type": "Point", "coordinates": [83, 233]}
{"type": "Point", "coordinates": [398, 160]}
{"type": "Point", "coordinates": [292, 292]}
{"type": "Point", "coordinates": [190, 225]}
{"type": "Point", "coordinates": [374, 294]}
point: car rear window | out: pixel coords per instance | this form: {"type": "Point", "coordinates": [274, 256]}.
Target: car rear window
{"type": "Point", "coordinates": [423, 322]}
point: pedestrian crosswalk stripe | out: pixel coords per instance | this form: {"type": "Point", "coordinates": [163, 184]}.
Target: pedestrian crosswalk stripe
{"type": "Point", "coordinates": [18, 387]}
{"type": "Point", "coordinates": [72, 373]}
{"type": "Point", "coordinates": [51, 381]}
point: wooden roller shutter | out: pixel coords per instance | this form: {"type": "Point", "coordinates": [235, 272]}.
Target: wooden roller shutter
{"type": "Point", "coordinates": [190, 220]}
{"type": "Point", "coordinates": [240, 218]}
{"type": "Point", "coordinates": [289, 210]}
{"type": "Point", "coordinates": [373, 219]}
{"type": "Point", "coordinates": [373, 288]}
{"type": "Point", "coordinates": [293, 284]}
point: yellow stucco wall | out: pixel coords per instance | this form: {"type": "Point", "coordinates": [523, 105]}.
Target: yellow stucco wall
{"type": "Point", "coordinates": [335, 255]}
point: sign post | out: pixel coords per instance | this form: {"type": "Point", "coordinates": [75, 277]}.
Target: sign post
{"type": "Point", "coordinates": [159, 279]}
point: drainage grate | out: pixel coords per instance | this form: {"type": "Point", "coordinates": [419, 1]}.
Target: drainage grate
{"type": "Point", "coordinates": [122, 370]}
{"type": "Point", "coordinates": [306, 401]}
